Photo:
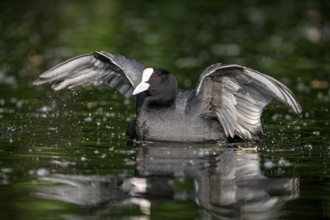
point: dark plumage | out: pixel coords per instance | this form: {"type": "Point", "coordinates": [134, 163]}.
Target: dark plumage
{"type": "Point", "coordinates": [227, 102]}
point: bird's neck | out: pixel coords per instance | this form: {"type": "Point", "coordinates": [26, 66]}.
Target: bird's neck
{"type": "Point", "coordinates": [157, 102]}
{"type": "Point", "coordinates": [162, 99]}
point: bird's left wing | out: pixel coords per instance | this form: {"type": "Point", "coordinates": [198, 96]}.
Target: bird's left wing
{"type": "Point", "coordinates": [93, 69]}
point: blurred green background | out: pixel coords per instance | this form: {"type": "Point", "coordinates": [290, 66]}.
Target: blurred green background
{"type": "Point", "coordinates": [289, 40]}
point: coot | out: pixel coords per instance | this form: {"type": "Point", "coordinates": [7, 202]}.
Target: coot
{"type": "Point", "coordinates": [226, 103]}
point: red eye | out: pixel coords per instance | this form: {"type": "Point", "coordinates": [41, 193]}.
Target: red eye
{"type": "Point", "coordinates": [155, 77]}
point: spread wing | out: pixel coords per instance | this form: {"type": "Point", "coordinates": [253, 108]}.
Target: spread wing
{"type": "Point", "coordinates": [236, 96]}
{"type": "Point", "coordinates": [93, 69]}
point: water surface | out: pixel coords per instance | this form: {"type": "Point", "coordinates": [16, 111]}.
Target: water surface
{"type": "Point", "coordinates": [65, 155]}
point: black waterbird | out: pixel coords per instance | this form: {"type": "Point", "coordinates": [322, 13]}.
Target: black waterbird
{"type": "Point", "coordinates": [226, 103]}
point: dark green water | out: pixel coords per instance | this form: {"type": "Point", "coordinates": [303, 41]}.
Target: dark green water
{"type": "Point", "coordinates": [65, 155]}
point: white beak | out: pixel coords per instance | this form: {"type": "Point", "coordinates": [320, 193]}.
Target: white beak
{"type": "Point", "coordinates": [143, 86]}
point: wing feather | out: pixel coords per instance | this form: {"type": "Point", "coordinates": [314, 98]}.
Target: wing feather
{"type": "Point", "coordinates": [94, 69]}
{"type": "Point", "coordinates": [237, 96]}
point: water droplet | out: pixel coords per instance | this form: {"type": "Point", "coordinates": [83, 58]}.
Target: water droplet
{"type": "Point", "coordinates": [283, 163]}
{"type": "Point", "coordinates": [45, 109]}
{"type": "Point", "coordinates": [88, 119]}
{"type": "Point", "coordinates": [316, 133]}
{"type": "Point", "coordinates": [83, 158]}
{"type": "Point", "coordinates": [268, 164]}
{"type": "Point", "coordinates": [42, 172]}
{"type": "Point", "coordinates": [308, 146]}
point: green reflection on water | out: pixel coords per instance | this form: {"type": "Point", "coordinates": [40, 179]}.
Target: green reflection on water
{"type": "Point", "coordinates": [83, 132]}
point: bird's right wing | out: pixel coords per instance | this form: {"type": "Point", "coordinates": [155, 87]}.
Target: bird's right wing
{"type": "Point", "coordinates": [93, 69]}
{"type": "Point", "coordinates": [236, 96]}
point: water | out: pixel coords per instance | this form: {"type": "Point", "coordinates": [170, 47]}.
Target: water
{"type": "Point", "coordinates": [65, 155]}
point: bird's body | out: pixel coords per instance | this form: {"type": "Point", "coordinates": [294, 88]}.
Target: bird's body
{"type": "Point", "coordinates": [226, 103]}
{"type": "Point", "coordinates": [177, 122]}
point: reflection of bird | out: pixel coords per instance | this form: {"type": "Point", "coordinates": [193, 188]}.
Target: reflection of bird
{"type": "Point", "coordinates": [227, 102]}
